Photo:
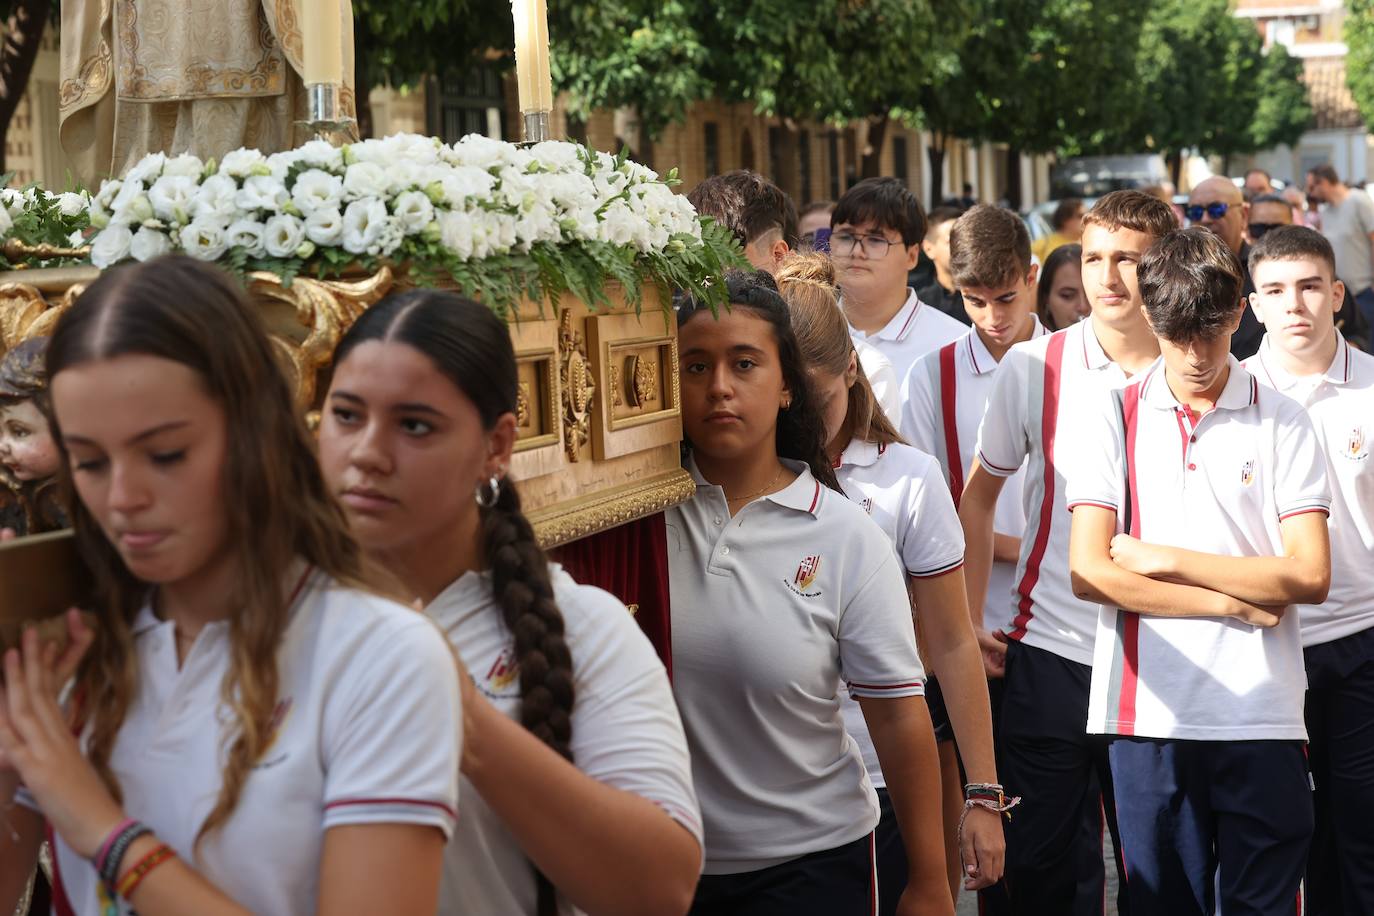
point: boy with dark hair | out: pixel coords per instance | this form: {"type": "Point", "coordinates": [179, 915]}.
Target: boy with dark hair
{"type": "Point", "coordinates": [1305, 356]}
{"type": "Point", "coordinates": [1054, 861]}
{"type": "Point", "coordinates": [946, 394]}
{"type": "Point", "coordinates": [1199, 505]}
{"type": "Point", "coordinates": [754, 209]}
{"type": "Point", "coordinates": [931, 279]}
{"type": "Point", "coordinates": [878, 227]}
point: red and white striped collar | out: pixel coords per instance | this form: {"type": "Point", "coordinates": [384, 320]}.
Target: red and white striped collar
{"type": "Point", "coordinates": [1338, 373]}
{"type": "Point", "coordinates": [1094, 357]}
{"type": "Point", "coordinates": [802, 494]}
{"type": "Point", "coordinates": [976, 355]}
{"type": "Point", "coordinates": [902, 322]}
{"type": "Point", "coordinates": [1241, 391]}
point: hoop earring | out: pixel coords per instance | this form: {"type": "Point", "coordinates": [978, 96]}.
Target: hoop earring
{"type": "Point", "coordinates": [487, 495]}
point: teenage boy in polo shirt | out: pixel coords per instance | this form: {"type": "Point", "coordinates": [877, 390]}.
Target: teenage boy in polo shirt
{"type": "Point", "coordinates": [1199, 505]}
{"type": "Point", "coordinates": [1054, 842]}
{"type": "Point", "coordinates": [878, 227]}
{"type": "Point", "coordinates": [1305, 356]}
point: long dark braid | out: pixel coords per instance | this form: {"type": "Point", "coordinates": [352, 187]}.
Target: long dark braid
{"type": "Point", "coordinates": [472, 348]}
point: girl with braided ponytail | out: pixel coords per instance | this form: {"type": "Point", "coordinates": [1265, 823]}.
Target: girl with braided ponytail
{"type": "Point", "coordinates": [575, 775]}
{"type": "Point", "coordinates": [781, 589]}
{"type": "Point", "coordinates": [254, 733]}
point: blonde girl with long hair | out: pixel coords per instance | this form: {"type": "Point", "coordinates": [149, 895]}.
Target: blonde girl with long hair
{"type": "Point", "coordinates": [902, 489]}
{"type": "Point", "coordinates": [250, 731]}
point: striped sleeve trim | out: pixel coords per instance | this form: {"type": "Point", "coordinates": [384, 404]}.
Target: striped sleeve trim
{"type": "Point", "coordinates": [943, 570]}
{"type": "Point", "coordinates": [1099, 503]}
{"type": "Point", "coordinates": [389, 811]}
{"type": "Point", "coordinates": [1304, 510]}
{"type": "Point", "coordinates": [683, 817]}
{"type": "Point", "coordinates": [881, 691]}
{"type": "Point", "coordinates": [994, 468]}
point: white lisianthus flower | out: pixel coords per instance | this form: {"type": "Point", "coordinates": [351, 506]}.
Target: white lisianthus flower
{"type": "Point", "coordinates": [6, 224]}
{"type": "Point", "coordinates": [320, 154]}
{"type": "Point", "coordinates": [131, 206]}
{"type": "Point", "coordinates": [456, 233]}
{"type": "Point", "coordinates": [261, 192]}
{"type": "Point", "coordinates": [315, 189]}
{"type": "Point", "coordinates": [111, 246]}
{"type": "Point", "coordinates": [149, 243]}
{"type": "Point", "coordinates": [325, 226]}
{"type": "Point", "coordinates": [248, 235]}
{"type": "Point", "coordinates": [463, 182]}
{"type": "Point", "coordinates": [282, 235]}
{"type": "Point", "coordinates": [414, 211]}
{"type": "Point", "coordinates": [241, 163]}
{"type": "Point", "coordinates": [557, 155]}
{"type": "Point", "coordinates": [101, 203]}
{"type": "Point", "coordinates": [173, 197]}
{"type": "Point", "coordinates": [619, 224]}
{"type": "Point", "coordinates": [364, 223]}
{"type": "Point", "coordinates": [146, 169]}
{"type": "Point", "coordinates": [204, 240]}
{"type": "Point", "coordinates": [364, 179]}
{"type": "Point", "coordinates": [215, 200]}
{"type": "Point", "coordinates": [390, 238]}
{"type": "Point", "coordinates": [14, 200]}
{"type": "Point", "coordinates": [73, 203]}
{"type": "Point", "coordinates": [185, 165]}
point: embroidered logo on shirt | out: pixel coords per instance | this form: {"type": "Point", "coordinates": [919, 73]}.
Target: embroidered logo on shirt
{"type": "Point", "coordinates": [868, 505]}
{"type": "Point", "coordinates": [1247, 473]}
{"type": "Point", "coordinates": [805, 577]}
{"type": "Point", "coordinates": [1355, 448]}
{"type": "Point", "coordinates": [503, 671]}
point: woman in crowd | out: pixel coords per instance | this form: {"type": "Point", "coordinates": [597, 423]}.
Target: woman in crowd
{"type": "Point", "coordinates": [781, 588]}
{"type": "Point", "coordinates": [902, 489]}
{"type": "Point", "coordinates": [256, 733]}
{"type": "Point", "coordinates": [575, 774]}
{"type": "Point", "coordinates": [1059, 297]}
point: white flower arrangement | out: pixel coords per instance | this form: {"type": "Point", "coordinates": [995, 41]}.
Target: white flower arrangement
{"type": "Point", "coordinates": [37, 217]}
{"type": "Point", "coordinates": [499, 220]}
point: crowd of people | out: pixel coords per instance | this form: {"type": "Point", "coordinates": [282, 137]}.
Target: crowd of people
{"type": "Point", "coordinates": [993, 549]}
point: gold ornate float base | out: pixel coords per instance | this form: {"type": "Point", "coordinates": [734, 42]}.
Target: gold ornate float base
{"type": "Point", "coordinates": [599, 411]}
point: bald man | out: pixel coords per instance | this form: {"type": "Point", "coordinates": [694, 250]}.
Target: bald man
{"type": "Point", "coordinates": [1217, 204]}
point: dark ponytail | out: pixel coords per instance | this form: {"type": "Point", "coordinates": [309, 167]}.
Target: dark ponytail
{"type": "Point", "coordinates": [472, 348]}
{"type": "Point", "coordinates": [800, 433]}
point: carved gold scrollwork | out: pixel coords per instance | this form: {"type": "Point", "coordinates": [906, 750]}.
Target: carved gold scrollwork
{"type": "Point", "coordinates": [327, 308]}
{"type": "Point", "coordinates": [617, 400]}
{"type": "Point", "coordinates": [578, 387]}
{"type": "Point", "coordinates": [522, 405]}
{"type": "Point", "coordinates": [643, 375]}
{"type": "Point", "coordinates": [26, 313]}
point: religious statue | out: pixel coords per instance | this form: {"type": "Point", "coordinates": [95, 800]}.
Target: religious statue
{"type": "Point", "coordinates": [27, 450]}
{"type": "Point", "coordinates": [185, 76]}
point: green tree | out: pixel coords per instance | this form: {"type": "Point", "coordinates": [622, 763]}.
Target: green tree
{"type": "Point", "coordinates": [1283, 113]}
{"type": "Point", "coordinates": [1359, 62]}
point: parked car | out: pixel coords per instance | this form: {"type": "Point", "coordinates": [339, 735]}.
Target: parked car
{"type": "Point", "coordinates": [1093, 176]}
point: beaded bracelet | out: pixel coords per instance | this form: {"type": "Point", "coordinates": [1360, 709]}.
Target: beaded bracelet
{"type": "Point", "coordinates": [142, 869]}
{"type": "Point", "coordinates": [112, 852]}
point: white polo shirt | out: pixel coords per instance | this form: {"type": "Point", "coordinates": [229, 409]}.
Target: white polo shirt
{"type": "Point", "coordinates": [1220, 484]}
{"type": "Point", "coordinates": [625, 729]}
{"type": "Point", "coordinates": [944, 398]}
{"type": "Point", "coordinates": [913, 332]}
{"type": "Point", "coordinates": [1039, 389]}
{"type": "Point", "coordinates": [901, 489]}
{"type": "Point", "coordinates": [1340, 404]}
{"type": "Point", "coordinates": [770, 610]}
{"type": "Point", "coordinates": [367, 731]}
{"type": "Point", "coordinates": [881, 378]}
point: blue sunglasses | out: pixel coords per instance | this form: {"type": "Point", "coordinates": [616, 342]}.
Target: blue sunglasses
{"type": "Point", "coordinates": [1215, 211]}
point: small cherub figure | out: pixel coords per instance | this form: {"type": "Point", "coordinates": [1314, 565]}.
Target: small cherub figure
{"type": "Point", "coordinates": [27, 450]}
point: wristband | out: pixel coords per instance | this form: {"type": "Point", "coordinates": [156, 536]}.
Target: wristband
{"type": "Point", "coordinates": [142, 869]}
{"type": "Point", "coordinates": [112, 853]}
{"type": "Point", "coordinates": [98, 860]}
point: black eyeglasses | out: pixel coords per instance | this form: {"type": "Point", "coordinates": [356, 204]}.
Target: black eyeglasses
{"type": "Point", "coordinates": [874, 246]}
{"type": "Point", "coordinates": [1214, 210]}
{"type": "Point", "coordinates": [1257, 230]}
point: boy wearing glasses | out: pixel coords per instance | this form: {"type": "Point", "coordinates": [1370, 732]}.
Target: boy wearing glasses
{"type": "Point", "coordinates": [1307, 358]}
{"type": "Point", "coordinates": [878, 226]}
{"type": "Point", "coordinates": [1217, 204]}
{"type": "Point", "coordinates": [1200, 503]}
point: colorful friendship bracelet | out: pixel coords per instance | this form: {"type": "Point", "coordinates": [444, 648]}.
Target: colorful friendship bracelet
{"type": "Point", "coordinates": [114, 850]}
{"type": "Point", "coordinates": [142, 869]}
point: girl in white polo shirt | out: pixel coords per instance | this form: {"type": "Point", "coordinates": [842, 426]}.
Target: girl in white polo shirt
{"type": "Point", "coordinates": [254, 734]}
{"type": "Point", "coordinates": [575, 762]}
{"type": "Point", "coordinates": [903, 490]}
{"type": "Point", "coordinates": [781, 588]}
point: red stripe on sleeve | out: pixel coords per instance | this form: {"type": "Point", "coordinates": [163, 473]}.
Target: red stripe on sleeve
{"type": "Point", "coordinates": [949, 415]}
{"type": "Point", "coordinates": [1130, 631]}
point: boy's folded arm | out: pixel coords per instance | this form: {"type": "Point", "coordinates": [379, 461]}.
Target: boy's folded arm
{"type": "Point", "coordinates": [1096, 577]}
{"type": "Point", "coordinates": [1301, 576]}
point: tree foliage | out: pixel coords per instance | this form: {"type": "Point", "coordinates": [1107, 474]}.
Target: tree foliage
{"type": "Point", "coordinates": [1283, 113]}
{"type": "Point", "coordinates": [1359, 62]}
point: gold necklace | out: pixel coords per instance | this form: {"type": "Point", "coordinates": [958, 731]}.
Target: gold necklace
{"type": "Point", "coordinates": [768, 486]}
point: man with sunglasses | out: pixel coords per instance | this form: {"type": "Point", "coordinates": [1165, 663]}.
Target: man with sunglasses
{"type": "Point", "coordinates": [1217, 204]}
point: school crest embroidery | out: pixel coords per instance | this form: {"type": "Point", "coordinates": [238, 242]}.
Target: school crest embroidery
{"type": "Point", "coordinates": [868, 505]}
{"type": "Point", "coordinates": [807, 572]}
{"type": "Point", "coordinates": [1247, 473]}
{"type": "Point", "coordinates": [503, 671]}
{"type": "Point", "coordinates": [1355, 446]}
